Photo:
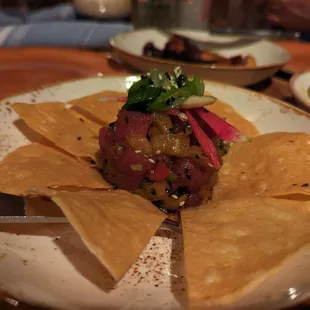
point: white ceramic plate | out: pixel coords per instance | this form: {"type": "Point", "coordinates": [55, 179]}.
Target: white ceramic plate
{"type": "Point", "coordinates": [269, 57]}
{"type": "Point", "coordinates": [37, 267]}
{"type": "Point", "coordinates": [299, 84]}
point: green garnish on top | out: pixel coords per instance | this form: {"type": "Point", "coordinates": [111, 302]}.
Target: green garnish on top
{"type": "Point", "coordinates": [158, 91]}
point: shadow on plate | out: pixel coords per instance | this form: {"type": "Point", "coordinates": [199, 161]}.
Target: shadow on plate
{"type": "Point", "coordinates": [71, 245]}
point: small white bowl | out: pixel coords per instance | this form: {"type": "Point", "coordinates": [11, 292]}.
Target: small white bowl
{"type": "Point", "coordinates": [269, 57]}
{"type": "Point", "coordinates": [299, 84]}
{"type": "Point", "coordinates": [103, 8]}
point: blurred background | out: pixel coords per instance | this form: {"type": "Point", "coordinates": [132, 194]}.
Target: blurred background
{"type": "Point", "coordinates": [91, 23]}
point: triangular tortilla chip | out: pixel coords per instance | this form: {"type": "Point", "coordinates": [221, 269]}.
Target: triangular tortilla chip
{"type": "Point", "coordinates": [231, 247]}
{"type": "Point", "coordinates": [65, 128]}
{"type": "Point", "coordinates": [115, 225]}
{"type": "Point", "coordinates": [275, 164]}
{"type": "Point", "coordinates": [97, 105]}
{"type": "Point", "coordinates": [40, 206]}
{"type": "Point", "coordinates": [233, 117]}
{"type": "Point", "coordinates": [36, 165]}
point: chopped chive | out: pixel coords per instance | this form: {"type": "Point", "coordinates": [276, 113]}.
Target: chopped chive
{"type": "Point", "coordinates": [171, 177]}
{"type": "Point", "coordinates": [136, 167]}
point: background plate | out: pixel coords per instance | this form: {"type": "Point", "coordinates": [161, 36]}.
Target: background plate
{"type": "Point", "coordinates": [269, 56]}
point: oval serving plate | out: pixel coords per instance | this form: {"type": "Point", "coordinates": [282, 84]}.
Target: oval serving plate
{"type": "Point", "coordinates": [269, 56]}
{"type": "Point", "coordinates": [48, 265]}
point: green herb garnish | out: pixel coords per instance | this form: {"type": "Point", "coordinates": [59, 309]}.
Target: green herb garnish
{"type": "Point", "coordinates": [158, 91]}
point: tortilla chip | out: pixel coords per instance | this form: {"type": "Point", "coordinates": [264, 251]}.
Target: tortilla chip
{"type": "Point", "coordinates": [65, 128]}
{"type": "Point", "coordinates": [105, 111]}
{"type": "Point", "coordinates": [275, 164]}
{"type": "Point", "coordinates": [231, 247]}
{"type": "Point", "coordinates": [36, 165]}
{"type": "Point", "coordinates": [115, 225]}
{"type": "Point", "coordinates": [40, 206]}
{"type": "Point", "coordinates": [234, 118]}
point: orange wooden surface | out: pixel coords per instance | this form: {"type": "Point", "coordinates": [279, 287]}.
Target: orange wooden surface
{"type": "Point", "coordinates": [24, 69]}
{"type": "Point", "coordinates": [300, 55]}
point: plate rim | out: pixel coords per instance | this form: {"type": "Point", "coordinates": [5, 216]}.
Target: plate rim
{"type": "Point", "coordinates": [161, 61]}
{"type": "Point", "coordinates": [276, 101]}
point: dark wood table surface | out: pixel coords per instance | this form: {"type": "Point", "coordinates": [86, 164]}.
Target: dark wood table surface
{"type": "Point", "coordinates": [25, 69]}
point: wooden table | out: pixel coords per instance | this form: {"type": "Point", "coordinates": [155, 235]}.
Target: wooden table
{"type": "Point", "coordinates": [24, 69]}
{"type": "Point", "coordinates": [90, 63]}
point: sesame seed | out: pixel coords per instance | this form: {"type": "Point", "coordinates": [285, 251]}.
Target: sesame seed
{"type": "Point", "coordinates": [160, 77]}
{"type": "Point", "coordinates": [174, 196]}
{"type": "Point", "coordinates": [182, 116]}
{"type": "Point", "coordinates": [158, 152]}
{"type": "Point", "coordinates": [177, 71]}
{"type": "Point", "coordinates": [152, 160]}
{"type": "Point", "coordinates": [182, 203]}
{"type": "Point", "coordinates": [138, 151]}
